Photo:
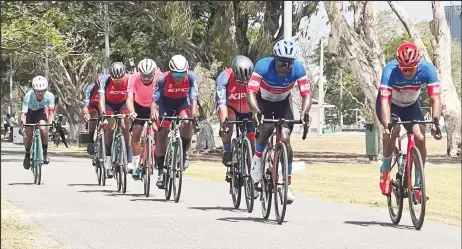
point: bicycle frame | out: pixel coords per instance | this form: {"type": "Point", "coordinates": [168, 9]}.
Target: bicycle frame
{"type": "Point", "coordinates": [36, 141]}
{"type": "Point", "coordinates": [116, 134]}
{"type": "Point", "coordinates": [175, 125]}
{"type": "Point", "coordinates": [241, 127]}
{"type": "Point", "coordinates": [148, 133]}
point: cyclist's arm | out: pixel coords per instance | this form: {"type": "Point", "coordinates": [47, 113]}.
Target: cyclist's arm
{"type": "Point", "coordinates": [158, 91]}
{"type": "Point", "coordinates": [102, 93]}
{"type": "Point", "coordinates": [385, 92]}
{"type": "Point", "coordinates": [51, 107]}
{"type": "Point", "coordinates": [433, 89]}
{"type": "Point", "coordinates": [130, 92]}
{"type": "Point", "coordinates": [221, 97]}
{"type": "Point", "coordinates": [305, 89]}
{"type": "Point", "coordinates": [25, 107]}
{"type": "Point", "coordinates": [193, 92]}
{"type": "Point", "coordinates": [252, 89]}
{"type": "Point", "coordinates": [86, 99]}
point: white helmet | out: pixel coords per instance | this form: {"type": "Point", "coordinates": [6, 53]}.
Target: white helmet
{"type": "Point", "coordinates": [285, 49]}
{"type": "Point", "coordinates": [147, 66]}
{"type": "Point", "coordinates": [39, 83]}
{"type": "Point", "coordinates": [178, 64]}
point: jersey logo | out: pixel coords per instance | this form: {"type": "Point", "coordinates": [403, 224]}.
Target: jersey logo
{"type": "Point", "coordinates": [253, 83]}
{"type": "Point", "coordinates": [385, 92]}
{"type": "Point", "coordinates": [236, 96]}
{"type": "Point", "coordinates": [175, 90]}
{"type": "Point", "coordinates": [115, 92]}
{"type": "Point", "coordinates": [304, 87]}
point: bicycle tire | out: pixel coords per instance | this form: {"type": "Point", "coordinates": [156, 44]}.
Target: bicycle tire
{"type": "Point", "coordinates": [38, 161]}
{"type": "Point", "coordinates": [123, 163]}
{"type": "Point", "coordinates": [167, 166]}
{"type": "Point", "coordinates": [397, 190]}
{"type": "Point", "coordinates": [147, 166]}
{"type": "Point", "coordinates": [282, 158]}
{"type": "Point", "coordinates": [248, 182]}
{"type": "Point", "coordinates": [417, 222]}
{"type": "Point", "coordinates": [178, 170]}
{"type": "Point", "coordinates": [102, 159]}
{"type": "Point", "coordinates": [117, 176]}
{"type": "Point", "coordinates": [32, 161]}
{"type": "Point", "coordinates": [234, 184]}
{"type": "Point", "coordinates": [266, 183]}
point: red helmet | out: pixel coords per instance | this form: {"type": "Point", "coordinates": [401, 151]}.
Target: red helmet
{"type": "Point", "coordinates": [407, 54]}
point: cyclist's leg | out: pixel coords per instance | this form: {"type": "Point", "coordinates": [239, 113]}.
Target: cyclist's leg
{"type": "Point", "coordinates": [226, 138]}
{"type": "Point", "coordinates": [126, 131]}
{"type": "Point", "coordinates": [42, 119]}
{"type": "Point", "coordinates": [250, 129]}
{"type": "Point", "coordinates": [266, 130]}
{"type": "Point", "coordinates": [137, 128]}
{"type": "Point", "coordinates": [388, 147]}
{"type": "Point", "coordinates": [166, 107]}
{"type": "Point", "coordinates": [186, 130]}
{"type": "Point", "coordinates": [108, 132]}
{"type": "Point", "coordinates": [31, 117]}
{"type": "Point", "coordinates": [91, 128]}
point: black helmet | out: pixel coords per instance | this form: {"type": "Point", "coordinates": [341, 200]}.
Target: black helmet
{"type": "Point", "coordinates": [117, 70]}
{"type": "Point", "coordinates": [242, 67]}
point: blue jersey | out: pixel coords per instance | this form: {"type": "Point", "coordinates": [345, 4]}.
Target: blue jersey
{"type": "Point", "coordinates": [31, 102]}
{"type": "Point", "coordinates": [274, 88]}
{"type": "Point", "coordinates": [403, 92]}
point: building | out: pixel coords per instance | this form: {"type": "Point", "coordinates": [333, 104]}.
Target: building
{"type": "Point", "coordinates": [453, 17]}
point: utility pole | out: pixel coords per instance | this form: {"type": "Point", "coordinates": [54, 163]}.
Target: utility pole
{"type": "Point", "coordinates": [341, 99]}
{"type": "Point", "coordinates": [106, 36]}
{"type": "Point", "coordinates": [321, 89]}
{"type": "Point", "coordinates": [11, 85]}
{"type": "Point", "coordinates": [287, 20]}
{"type": "Point", "coordinates": [46, 60]}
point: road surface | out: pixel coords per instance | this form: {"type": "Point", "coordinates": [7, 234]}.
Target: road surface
{"type": "Point", "coordinates": [82, 214]}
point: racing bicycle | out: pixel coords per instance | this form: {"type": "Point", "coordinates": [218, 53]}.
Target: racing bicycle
{"type": "Point", "coordinates": [147, 154]}
{"type": "Point", "coordinates": [239, 172]}
{"type": "Point", "coordinates": [405, 184]}
{"type": "Point", "coordinates": [275, 169]}
{"type": "Point", "coordinates": [36, 152]}
{"type": "Point", "coordinates": [99, 155]}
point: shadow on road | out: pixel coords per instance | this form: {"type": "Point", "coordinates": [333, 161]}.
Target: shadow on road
{"type": "Point", "coordinates": [374, 223]}
{"type": "Point", "coordinates": [98, 191]}
{"type": "Point", "coordinates": [23, 183]}
{"type": "Point", "coordinates": [254, 219]}
{"type": "Point", "coordinates": [11, 160]}
{"type": "Point", "coordinates": [147, 199]}
{"type": "Point", "coordinates": [232, 209]}
{"type": "Point", "coordinates": [122, 194]}
{"type": "Point", "coordinates": [83, 184]}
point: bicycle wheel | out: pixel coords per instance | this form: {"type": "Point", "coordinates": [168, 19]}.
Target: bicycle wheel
{"type": "Point", "coordinates": [96, 161]}
{"type": "Point", "coordinates": [178, 168]}
{"type": "Point", "coordinates": [248, 182]}
{"type": "Point", "coordinates": [147, 165]}
{"type": "Point", "coordinates": [38, 162]}
{"type": "Point", "coordinates": [102, 159]}
{"type": "Point", "coordinates": [397, 195]}
{"type": "Point", "coordinates": [282, 184]}
{"type": "Point", "coordinates": [234, 185]}
{"type": "Point", "coordinates": [168, 173]}
{"type": "Point", "coordinates": [417, 186]}
{"type": "Point", "coordinates": [117, 169]}
{"type": "Point", "coordinates": [32, 161]}
{"type": "Point", "coordinates": [123, 163]}
{"type": "Point", "coordinates": [266, 182]}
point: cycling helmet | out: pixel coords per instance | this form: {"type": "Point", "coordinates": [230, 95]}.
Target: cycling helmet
{"type": "Point", "coordinates": [242, 67]}
{"type": "Point", "coordinates": [39, 83]}
{"type": "Point", "coordinates": [178, 63]}
{"type": "Point", "coordinates": [147, 66]}
{"type": "Point", "coordinates": [407, 54]}
{"type": "Point", "coordinates": [285, 49]}
{"type": "Point", "coordinates": [117, 70]}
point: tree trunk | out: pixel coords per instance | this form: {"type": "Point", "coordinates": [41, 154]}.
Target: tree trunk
{"type": "Point", "coordinates": [366, 63]}
{"type": "Point", "coordinates": [241, 23]}
{"type": "Point", "coordinates": [205, 139]}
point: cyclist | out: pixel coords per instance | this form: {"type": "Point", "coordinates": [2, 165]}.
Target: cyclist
{"type": "Point", "coordinates": [175, 94]}
{"type": "Point", "coordinates": [399, 93]}
{"type": "Point", "coordinates": [231, 87]}
{"type": "Point", "coordinates": [140, 90]}
{"type": "Point", "coordinates": [113, 93]}
{"type": "Point", "coordinates": [90, 110]}
{"type": "Point", "coordinates": [268, 92]}
{"type": "Point", "coordinates": [34, 111]}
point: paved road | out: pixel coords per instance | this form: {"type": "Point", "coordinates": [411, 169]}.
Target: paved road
{"type": "Point", "coordinates": [84, 215]}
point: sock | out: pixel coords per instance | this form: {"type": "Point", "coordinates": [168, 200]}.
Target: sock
{"type": "Point", "coordinates": [159, 162]}
{"type": "Point", "coordinates": [108, 150]}
{"type": "Point", "coordinates": [386, 165]}
{"type": "Point", "coordinates": [185, 143]}
{"type": "Point", "coordinates": [92, 133]}
{"type": "Point", "coordinates": [28, 152]}
{"type": "Point", "coordinates": [45, 150]}
{"type": "Point", "coordinates": [289, 166]}
{"type": "Point", "coordinates": [226, 148]}
{"type": "Point", "coordinates": [259, 150]}
{"type": "Point", "coordinates": [129, 154]}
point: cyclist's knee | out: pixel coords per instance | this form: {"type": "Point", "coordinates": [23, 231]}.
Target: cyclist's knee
{"type": "Point", "coordinates": [251, 136]}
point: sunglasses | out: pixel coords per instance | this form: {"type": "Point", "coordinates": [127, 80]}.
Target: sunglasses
{"type": "Point", "coordinates": [147, 76]}
{"type": "Point", "coordinates": [41, 91]}
{"type": "Point", "coordinates": [118, 81]}
{"type": "Point", "coordinates": [241, 82]}
{"type": "Point", "coordinates": [286, 62]}
{"type": "Point", "coordinates": [408, 69]}
{"type": "Point", "coordinates": [178, 74]}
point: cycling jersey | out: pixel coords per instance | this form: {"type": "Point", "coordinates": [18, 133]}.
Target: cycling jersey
{"type": "Point", "coordinates": [31, 102]}
{"type": "Point", "coordinates": [228, 93]}
{"type": "Point", "coordinates": [166, 87]}
{"type": "Point", "coordinates": [274, 88]}
{"type": "Point", "coordinates": [142, 93]}
{"type": "Point", "coordinates": [114, 94]}
{"type": "Point", "coordinates": [403, 92]}
{"type": "Point", "coordinates": [91, 95]}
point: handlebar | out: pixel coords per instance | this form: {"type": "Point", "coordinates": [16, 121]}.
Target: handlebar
{"type": "Point", "coordinates": [178, 119]}
{"type": "Point", "coordinates": [395, 121]}
{"type": "Point", "coordinates": [35, 125]}
{"type": "Point", "coordinates": [281, 121]}
{"type": "Point", "coordinates": [224, 126]}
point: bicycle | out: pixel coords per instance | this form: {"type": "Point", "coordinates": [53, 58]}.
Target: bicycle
{"type": "Point", "coordinates": [239, 171]}
{"type": "Point", "coordinates": [174, 165]}
{"type": "Point", "coordinates": [401, 186]}
{"type": "Point", "coordinates": [36, 155]}
{"type": "Point", "coordinates": [99, 155]}
{"type": "Point", "coordinates": [119, 153]}
{"type": "Point", "coordinates": [275, 153]}
{"type": "Point", "coordinates": [147, 155]}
